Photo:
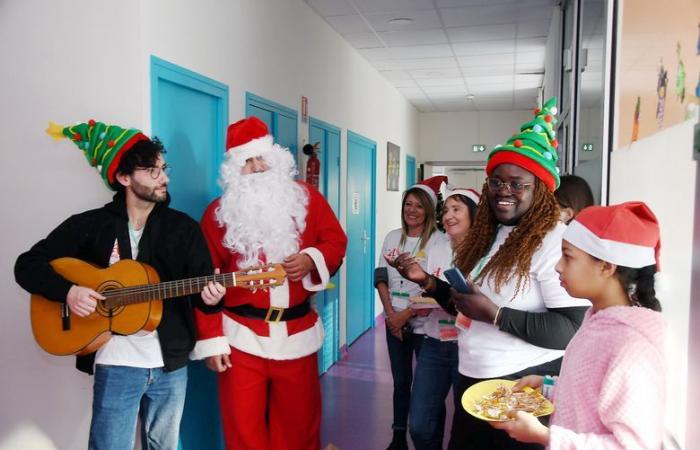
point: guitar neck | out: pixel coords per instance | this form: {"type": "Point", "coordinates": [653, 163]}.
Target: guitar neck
{"type": "Point", "coordinates": [167, 289]}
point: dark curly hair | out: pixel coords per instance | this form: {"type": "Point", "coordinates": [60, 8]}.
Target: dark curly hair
{"type": "Point", "coordinates": [515, 254]}
{"type": "Point", "coordinates": [144, 153]}
{"type": "Point", "coordinates": [639, 284]}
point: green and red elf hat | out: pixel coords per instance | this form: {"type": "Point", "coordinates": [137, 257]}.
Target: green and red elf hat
{"type": "Point", "coordinates": [102, 144]}
{"type": "Point", "coordinates": [534, 148]}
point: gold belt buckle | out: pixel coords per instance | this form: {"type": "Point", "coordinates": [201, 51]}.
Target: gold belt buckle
{"type": "Point", "coordinates": [278, 314]}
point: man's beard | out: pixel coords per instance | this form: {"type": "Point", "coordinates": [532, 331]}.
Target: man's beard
{"type": "Point", "coordinates": [148, 194]}
{"type": "Point", "coordinates": [263, 213]}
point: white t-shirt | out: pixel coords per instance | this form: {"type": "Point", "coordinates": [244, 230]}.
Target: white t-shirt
{"type": "Point", "coordinates": [440, 324]}
{"type": "Point", "coordinates": [137, 350]}
{"type": "Point", "coordinates": [399, 287]}
{"type": "Point", "coordinates": [487, 352]}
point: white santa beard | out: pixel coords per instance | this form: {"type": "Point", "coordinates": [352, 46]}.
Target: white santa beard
{"type": "Point", "coordinates": [263, 213]}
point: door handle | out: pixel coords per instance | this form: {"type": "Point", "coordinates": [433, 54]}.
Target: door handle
{"type": "Point", "coordinates": [365, 239]}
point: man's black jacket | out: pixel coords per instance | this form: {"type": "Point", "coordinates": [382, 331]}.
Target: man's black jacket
{"type": "Point", "coordinates": [172, 243]}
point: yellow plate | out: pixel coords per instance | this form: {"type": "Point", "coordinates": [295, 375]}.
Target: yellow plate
{"type": "Point", "coordinates": [479, 390]}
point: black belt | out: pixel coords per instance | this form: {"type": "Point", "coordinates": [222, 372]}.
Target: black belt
{"type": "Point", "coordinates": [271, 314]}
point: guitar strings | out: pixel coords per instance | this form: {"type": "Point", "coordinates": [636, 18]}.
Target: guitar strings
{"type": "Point", "coordinates": [178, 285]}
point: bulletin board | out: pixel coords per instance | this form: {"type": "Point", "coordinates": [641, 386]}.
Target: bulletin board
{"type": "Point", "coordinates": [658, 67]}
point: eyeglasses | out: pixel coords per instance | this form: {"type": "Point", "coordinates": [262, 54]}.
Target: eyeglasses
{"type": "Point", "coordinates": [514, 187]}
{"type": "Point", "coordinates": [156, 171]}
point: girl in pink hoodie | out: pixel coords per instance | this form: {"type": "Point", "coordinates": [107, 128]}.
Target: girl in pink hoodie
{"type": "Point", "coordinates": [610, 393]}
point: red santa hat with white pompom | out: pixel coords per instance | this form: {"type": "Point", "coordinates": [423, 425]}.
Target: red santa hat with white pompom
{"type": "Point", "coordinates": [626, 234]}
{"type": "Point", "coordinates": [471, 194]}
{"type": "Point", "coordinates": [430, 186]}
{"type": "Point", "coordinates": [248, 138]}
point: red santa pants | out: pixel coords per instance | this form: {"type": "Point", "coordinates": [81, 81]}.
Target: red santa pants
{"type": "Point", "coordinates": [270, 405]}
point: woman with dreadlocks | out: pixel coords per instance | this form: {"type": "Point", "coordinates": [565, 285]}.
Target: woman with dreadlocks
{"type": "Point", "coordinates": [519, 319]}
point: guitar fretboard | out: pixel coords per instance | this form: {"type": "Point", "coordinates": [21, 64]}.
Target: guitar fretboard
{"type": "Point", "coordinates": [167, 289]}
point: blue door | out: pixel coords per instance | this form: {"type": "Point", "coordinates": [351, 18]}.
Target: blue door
{"type": "Point", "coordinates": [361, 237]}
{"type": "Point", "coordinates": [281, 121]}
{"type": "Point", "coordinates": [190, 114]}
{"type": "Point", "coordinates": [410, 171]}
{"type": "Point", "coordinates": [328, 301]}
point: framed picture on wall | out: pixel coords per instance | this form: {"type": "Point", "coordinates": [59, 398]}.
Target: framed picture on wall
{"type": "Point", "coordinates": [393, 166]}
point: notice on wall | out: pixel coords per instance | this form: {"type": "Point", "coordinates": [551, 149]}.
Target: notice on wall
{"type": "Point", "coordinates": [355, 203]}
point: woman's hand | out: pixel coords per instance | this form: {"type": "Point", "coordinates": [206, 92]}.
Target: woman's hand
{"type": "Point", "coordinates": [524, 427]}
{"type": "Point", "coordinates": [476, 306]}
{"type": "Point", "coordinates": [408, 267]}
{"type": "Point", "coordinates": [396, 320]}
{"type": "Point", "coordinates": [533, 381]}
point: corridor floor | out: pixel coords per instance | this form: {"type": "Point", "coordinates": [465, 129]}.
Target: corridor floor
{"type": "Point", "coordinates": [357, 396]}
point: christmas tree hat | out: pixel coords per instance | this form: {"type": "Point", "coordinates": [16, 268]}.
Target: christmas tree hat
{"type": "Point", "coordinates": [102, 144]}
{"type": "Point", "coordinates": [534, 148]}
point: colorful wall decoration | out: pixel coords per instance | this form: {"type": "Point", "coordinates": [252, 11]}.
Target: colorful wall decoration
{"type": "Point", "coordinates": [658, 67]}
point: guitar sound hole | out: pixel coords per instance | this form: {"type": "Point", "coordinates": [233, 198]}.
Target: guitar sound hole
{"type": "Point", "coordinates": [111, 306]}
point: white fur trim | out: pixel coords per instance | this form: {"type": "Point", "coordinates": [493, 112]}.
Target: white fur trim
{"type": "Point", "coordinates": [427, 190]}
{"type": "Point", "coordinates": [620, 253]}
{"type": "Point", "coordinates": [279, 295]}
{"type": "Point", "coordinates": [210, 347]}
{"type": "Point", "coordinates": [321, 267]}
{"type": "Point", "coordinates": [469, 193]}
{"type": "Point", "coordinates": [251, 149]}
{"type": "Point", "coordinates": [278, 345]}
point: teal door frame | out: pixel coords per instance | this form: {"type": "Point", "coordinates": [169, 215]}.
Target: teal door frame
{"type": "Point", "coordinates": [253, 101]}
{"type": "Point", "coordinates": [361, 140]}
{"type": "Point", "coordinates": [410, 171]}
{"type": "Point", "coordinates": [201, 424]}
{"type": "Point", "coordinates": [328, 301]}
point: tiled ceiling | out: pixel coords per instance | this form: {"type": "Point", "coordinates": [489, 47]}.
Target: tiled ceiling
{"type": "Point", "coordinates": [450, 55]}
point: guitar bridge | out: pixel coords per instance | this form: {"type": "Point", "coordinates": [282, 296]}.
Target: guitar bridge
{"type": "Point", "coordinates": [65, 317]}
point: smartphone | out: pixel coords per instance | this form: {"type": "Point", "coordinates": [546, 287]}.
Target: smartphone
{"type": "Point", "coordinates": [457, 281]}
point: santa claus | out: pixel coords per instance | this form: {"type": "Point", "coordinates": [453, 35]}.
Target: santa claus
{"type": "Point", "coordinates": [261, 343]}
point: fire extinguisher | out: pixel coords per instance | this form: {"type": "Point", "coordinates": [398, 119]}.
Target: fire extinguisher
{"type": "Point", "coordinates": [313, 165]}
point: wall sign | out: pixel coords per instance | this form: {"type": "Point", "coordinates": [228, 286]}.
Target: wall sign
{"type": "Point", "coordinates": [355, 203]}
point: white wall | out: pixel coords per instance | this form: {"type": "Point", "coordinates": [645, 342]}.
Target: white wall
{"type": "Point", "coordinates": [659, 170]}
{"type": "Point", "coordinates": [81, 59]}
{"type": "Point", "coordinates": [68, 63]}
{"type": "Point", "coordinates": [448, 136]}
{"type": "Point", "coordinates": [552, 64]}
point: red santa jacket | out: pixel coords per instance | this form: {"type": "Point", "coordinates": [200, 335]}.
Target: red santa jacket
{"type": "Point", "coordinates": [323, 240]}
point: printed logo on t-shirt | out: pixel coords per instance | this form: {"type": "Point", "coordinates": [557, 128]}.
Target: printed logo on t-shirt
{"type": "Point", "coordinates": [114, 257]}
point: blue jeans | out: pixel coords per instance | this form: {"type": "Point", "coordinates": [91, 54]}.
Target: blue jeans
{"type": "Point", "coordinates": [122, 393]}
{"type": "Point", "coordinates": [436, 372]}
{"type": "Point", "coordinates": [401, 358]}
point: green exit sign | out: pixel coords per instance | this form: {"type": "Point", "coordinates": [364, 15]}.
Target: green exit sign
{"type": "Point", "coordinates": [478, 148]}
{"type": "Point", "coordinates": [587, 147]}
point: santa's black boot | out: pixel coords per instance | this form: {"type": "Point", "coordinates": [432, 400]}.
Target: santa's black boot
{"type": "Point", "coordinates": [399, 441]}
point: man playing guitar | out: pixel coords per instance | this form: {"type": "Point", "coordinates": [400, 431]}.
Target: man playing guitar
{"type": "Point", "coordinates": [141, 375]}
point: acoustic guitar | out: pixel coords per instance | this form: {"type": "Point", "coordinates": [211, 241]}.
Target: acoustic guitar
{"type": "Point", "coordinates": [133, 301]}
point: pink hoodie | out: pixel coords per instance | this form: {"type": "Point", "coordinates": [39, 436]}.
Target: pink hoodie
{"type": "Point", "coordinates": [611, 391]}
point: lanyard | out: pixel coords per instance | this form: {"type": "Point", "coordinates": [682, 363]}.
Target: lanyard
{"type": "Point", "coordinates": [413, 252]}
{"type": "Point", "coordinates": [400, 292]}
{"type": "Point", "coordinates": [482, 262]}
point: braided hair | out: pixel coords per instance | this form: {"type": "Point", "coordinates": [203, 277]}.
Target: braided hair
{"type": "Point", "coordinates": [639, 284]}
{"type": "Point", "coordinates": [514, 256]}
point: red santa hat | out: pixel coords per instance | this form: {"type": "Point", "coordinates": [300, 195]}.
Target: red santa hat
{"type": "Point", "coordinates": [471, 194]}
{"type": "Point", "coordinates": [430, 186]}
{"type": "Point", "coordinates": [248, 138]}
{"type": "Point", "coordinates": [626, 234]}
